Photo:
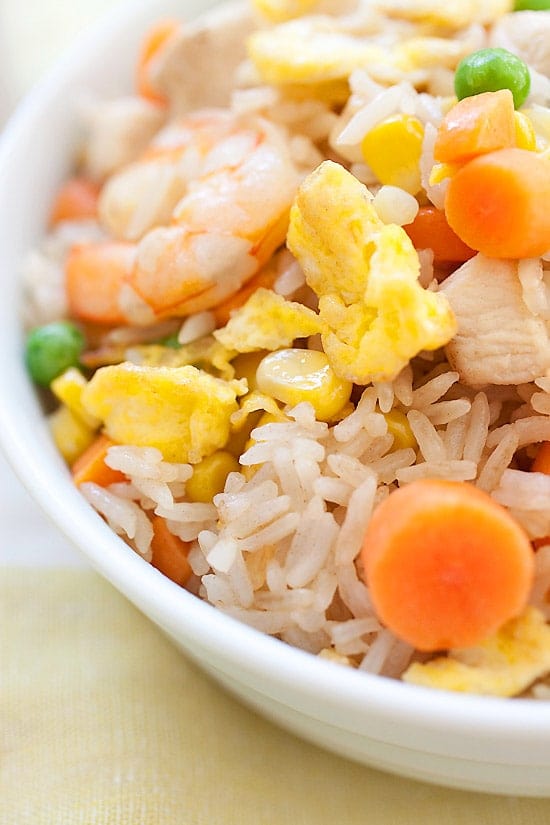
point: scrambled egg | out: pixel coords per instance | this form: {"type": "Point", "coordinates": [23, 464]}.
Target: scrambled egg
{"type": "Point", "coordinates": [267, 321]}
{"type": "Point", "coordinates": [255, 402]}
{"type": "Point", "coordinates": [319, 49]}
{"type": "Point", "coordinates": [311, 50]}
{"type": "Point", "coordinates": [182, 411]}
{"type": "Point", "coordinates": [453, 13]}
{"type": "Point", "coordinates": [205, 354]}
{"type": "Point", "coordinates": [279, 10]}
{"type": "Point", "coordinates": [374, 313]}
{"type": "Point", "coordinates": [504, 665]}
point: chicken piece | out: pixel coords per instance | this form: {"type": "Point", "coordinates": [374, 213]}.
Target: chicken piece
{"type": "Point", "coordinates": [182, 411]}
{"type": "Point", "coordinates": [499, 339]}
{"type": "Point", "coordinates": [197, 67]}
{"type": "Point", "coordinates": [374, 313]}
{"type": "Point", "coordinates": [267, 322]}
{"type": "Point", "coordinates": [119, 132]}
{"type": "Point", "coordinates": [527, 34]}
{"type": "Point", "coordinates": [503, 665]}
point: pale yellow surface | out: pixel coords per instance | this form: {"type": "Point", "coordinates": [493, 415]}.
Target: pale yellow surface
{"type": "Point", "coordinates": [104, 722]}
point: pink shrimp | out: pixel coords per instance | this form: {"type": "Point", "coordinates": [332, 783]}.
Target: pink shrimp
{"type": "Point", "coordinates": [228, 212]}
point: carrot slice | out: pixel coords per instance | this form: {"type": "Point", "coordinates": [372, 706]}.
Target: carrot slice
{"type": "Point", "coordinates": [75, 201]}
{"type": "Point", "coordinates": [430, 230]}
{"type": "Point", "coordinates": [94, 275]}
{"type": "Point", "coordinates": [445, 564]}
{"type": "Point", "coordinates": [155, 41]}
{"type": "Point", "coordinates": [90, 466]}
{"type": "Point", "coordinates": [475, 126]}
{"type": "Point", "coordinates": [169, 552]}
{"type": "Point", "coordinates": [498, 204]}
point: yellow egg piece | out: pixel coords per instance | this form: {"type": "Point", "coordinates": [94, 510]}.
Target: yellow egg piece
{"type": "Point", "coordinates": [278, 10]}
{"type": "Point", "coordinates": [182, 411]}
{"type": "Point", "coordinates": [296, 375]}
{"type": "Point", "coordinates": [267, 321]}
{"type": "Point", "coordinates": [209, 476]}
{"type": "Point", "coordinates": [375, 314]}
{"type": "Point", "coordinates": [311, 50]}
{"type": "Point", "coordinates": [503, 665]}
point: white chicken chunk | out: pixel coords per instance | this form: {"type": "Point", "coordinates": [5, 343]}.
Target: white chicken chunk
{"type": "Point", "coordinates": [500, 340]}
{"type": "Point", "coordinates": [119, 131]}
{"type": "Point", "coordinates": [208, 50]}
{"type": "Point", "coordinates": [527, 34]}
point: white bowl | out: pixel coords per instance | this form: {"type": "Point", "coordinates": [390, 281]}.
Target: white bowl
{"type": "Point", "coordinates": [462, 741]}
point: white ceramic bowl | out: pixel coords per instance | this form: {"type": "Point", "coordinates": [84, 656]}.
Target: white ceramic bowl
{"type": "Point", "coordinates": [463, 741]}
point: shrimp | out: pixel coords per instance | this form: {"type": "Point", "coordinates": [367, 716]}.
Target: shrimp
{"type": "Point", "coordinates": [227, 184]}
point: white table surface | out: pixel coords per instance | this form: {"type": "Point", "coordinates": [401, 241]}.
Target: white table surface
{"type": "Point", "coordinates": [32, 34]}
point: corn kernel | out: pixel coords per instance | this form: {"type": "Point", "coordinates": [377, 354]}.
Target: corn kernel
{"type": "Point", "coordinates": [68, 387]}
{"type": "Point", "coordinates": [70, 433]}
{"type": "Point", "coordinates": [295, 375]}
{"type": "Point", "coordinates": [399, 427]}
{"type": "Point", "coordinates": [392, 149]}
{"type": "Point", "coordinates": [525, 132]}
{"type": "Point", "coordinates": [441, 171]}
{"type": "Point", "coordinates": [209, 476]}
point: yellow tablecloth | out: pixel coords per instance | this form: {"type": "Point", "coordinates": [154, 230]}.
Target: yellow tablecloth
{"type": "Point", "coordinates": [104, 722]}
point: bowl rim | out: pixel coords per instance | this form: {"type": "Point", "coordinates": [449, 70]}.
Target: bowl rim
{"type": "Point", "coordinates": [261, 655]}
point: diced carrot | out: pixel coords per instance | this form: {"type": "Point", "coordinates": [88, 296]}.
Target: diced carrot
{"type": "Point", "coordinates": [476, 125]}
{"type": "Point", "coordinates": [430, 230]}
{"type": "Point", "coordinates": [75, 201]}
{"type": "Point", "coordinates": [498, 204]}
{"type": "Point", "coordinates": [541, 464]}
{"type": "Point", "coordinates": [445, 564]}
{"type": "Point", "coordinates": [169, 552]}
{"type": "Point", "coordinates": [265, 278]}
{"type": "Point", "coordinates": [155, 41]}
{"type": "Point", "coordinates": [90, 466]}
{"type": "Point", "coordinates": [94, 275]}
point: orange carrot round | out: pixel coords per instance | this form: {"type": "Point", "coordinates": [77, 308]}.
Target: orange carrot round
{"type": "Point", "coordinates": [169, 552]}
{"type": "Point", "coordinates": [445, 564]}
{"type": "Point", "coordinates": [498, 204]}
{"type": "Point", "coordinates": [154, 42]}
{"type": "Point", "coordinates": [75, 201]}
{"type": "Point", "coordinates": [430, 230]}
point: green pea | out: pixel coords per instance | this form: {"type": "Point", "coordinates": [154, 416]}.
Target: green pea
{"type": "Point", "coordinates": [490, 70]}
{"type": "Point", "coordinates": [171, 341]}
{"type": "Point", "coordinates": [52, 349]}
{"type": "Point", "coordinates": [531, 5]}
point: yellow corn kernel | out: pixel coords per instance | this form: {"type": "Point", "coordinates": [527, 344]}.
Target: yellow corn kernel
{"type": "Point", "coordinates": [392, 150]}
{"type": "Point", "coordinates": [525, 132]}
{"type": "Point", "coordinates": [70, 433]}
{"type": "Point", "coordinates": [209, 476]}
{"type": "Point", "coordinates": [399, 427]}
{"type": "Point", "coordinates": [295, 375]}
{"type": "Point", "coordinates": [441, 171]}
{"type": "Point", "coordinates": [67, 388]}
